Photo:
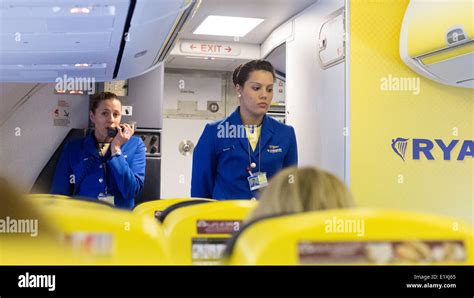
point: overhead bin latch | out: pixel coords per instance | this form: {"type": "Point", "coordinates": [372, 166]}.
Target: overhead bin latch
{"type": "Point", "coordinates": [331, 40]}
{"type": "Point", "coordinates": [322, 44]}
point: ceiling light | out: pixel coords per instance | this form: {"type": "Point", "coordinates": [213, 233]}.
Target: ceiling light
{"type": "Point", "coordinates": [196, 57]}
{"type": "Point", "coordinates": [209, 58]}
{"type": "Point", "coordinates": [227, 26]}
{"type": "Point", "coordinates": [77, 10]}
{"type": "Point", "coordinates": [76, 92]}
{"type": "Point", "coordinates": [111, 10]}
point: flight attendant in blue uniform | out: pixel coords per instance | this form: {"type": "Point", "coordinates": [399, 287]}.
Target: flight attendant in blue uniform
{"type": "Point", "coordinates": [110, 169]}
{"type": "Point", "coordinates": [235, 157]}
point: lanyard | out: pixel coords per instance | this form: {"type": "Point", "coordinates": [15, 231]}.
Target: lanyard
{"type": "Point", "coordinates": [104, 166]}
{"type": "Point", "coordinates": [259, 147]}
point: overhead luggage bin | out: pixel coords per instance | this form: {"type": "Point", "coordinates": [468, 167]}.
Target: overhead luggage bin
{"type": "Point", "coordinates": [354, 237]}
{"type": "Point", "coordinates": [441, 50]}
{"type": "Point", "coordinates": [45, 40]}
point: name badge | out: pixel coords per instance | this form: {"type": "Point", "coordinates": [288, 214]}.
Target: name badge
{"type": "Point", "coordinates": [106, 198]}
{"type": "Point", "coordinates": [274, 149]}
{"type": "Point", "coordinates": [257, 180]}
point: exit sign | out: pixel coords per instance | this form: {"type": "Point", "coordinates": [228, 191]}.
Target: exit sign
{"type": "Point", "coordinates": [221, 49]}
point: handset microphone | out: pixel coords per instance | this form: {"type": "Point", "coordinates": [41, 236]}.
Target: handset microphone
{"type": "Point", "coordinates": [112, 132]}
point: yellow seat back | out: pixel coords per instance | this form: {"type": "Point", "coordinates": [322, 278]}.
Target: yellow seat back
{"type": "Point", "coordinates": [354, 236]}
{"type": "Point", "coordinates": [45, 195]}
{"type": "Point", "coordinates": [27, 237]}
{"type": "Point", "coordinates": [35, 251]}
{"type": "Point", "coordinates": [64, 201]}
{"type": "Point", "coordinates": [155, 208]}
{"type": "Point", "coordinates": [110, 236]}
{"type": "Point", "coordinates": [198, 234]}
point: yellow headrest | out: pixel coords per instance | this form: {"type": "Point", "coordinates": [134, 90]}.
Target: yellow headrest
{"type": "Point", "coordinates": [355, 236]}
{"type": "Point", "coordinates": [45, 195]}
{"type": "Point", "coordinates": [154, 208]}
{"type": "Point", "coordinates": [64, 201]}
{"type": "Point", "coordinates": [197, 234]}
{"type": "Point", "coordinates": [110, 236]}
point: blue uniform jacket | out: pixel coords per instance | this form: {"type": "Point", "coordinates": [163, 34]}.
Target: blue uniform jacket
{"type": "Point", "coordinates": [221, 157]}
{"type": "Point", "coordinates": [80, 171]}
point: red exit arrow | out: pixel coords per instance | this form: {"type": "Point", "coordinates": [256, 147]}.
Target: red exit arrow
{"type": "Point", "coordinates": [228, 49]}
{"type": "Point", "coordinates": [192, 46]}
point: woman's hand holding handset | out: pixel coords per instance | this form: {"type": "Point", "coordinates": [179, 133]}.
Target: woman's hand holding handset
{"type": "Point", "coordinates": [123, 133]}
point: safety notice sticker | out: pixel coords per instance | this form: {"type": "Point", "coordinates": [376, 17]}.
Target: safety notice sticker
{"type": "Point", "coordinates": [383, 252]}
{"type": "Point", "coordinates": [208, 251]}
{"type": "Point", "coordinates": [61, 114]}
{"type": "Point", "coordinates": [218, 226]}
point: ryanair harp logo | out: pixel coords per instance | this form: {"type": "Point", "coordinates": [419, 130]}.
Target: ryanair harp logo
{"type": "Point", "coordinates": [434, 149]}
{"type": "Point", "coordinates": [399, 146]}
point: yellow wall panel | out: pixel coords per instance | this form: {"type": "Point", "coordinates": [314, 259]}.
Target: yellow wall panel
{"type": "Point", "coordinates": [381, 111]}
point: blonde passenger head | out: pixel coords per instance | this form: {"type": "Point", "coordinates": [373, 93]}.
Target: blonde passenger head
{"type": "Point", "coordinates": [14, 205]}
{"type": "Point", "coordinates": [295, 190]}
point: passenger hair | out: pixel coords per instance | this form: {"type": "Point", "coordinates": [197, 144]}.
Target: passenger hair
{"type": "Point", "coordinates": [14, 204]}
{"type": "Point", "coordinates": [242, 72]}
{"type": "Point", "coordinates": [97, 98]}
{"type": "Point", "coordinates": [295, 190]}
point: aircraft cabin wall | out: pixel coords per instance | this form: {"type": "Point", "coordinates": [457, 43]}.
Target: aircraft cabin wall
{"type": "Point", "coordinates": [315, 97]}
{"type": "Point", "coordinates": [186, 105]}
{"type": "Point", "coordinates": [315, 101]}
{"type": "Point", "coordinates": [145, 95]}
{"type": "Point", "coordinates": [30, 131]}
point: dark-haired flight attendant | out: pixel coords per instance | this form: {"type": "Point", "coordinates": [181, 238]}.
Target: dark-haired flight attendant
{"type": "Point", "coordinates": [101, 167]}
{"type": "Point", "coordinates": [235, 157]}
